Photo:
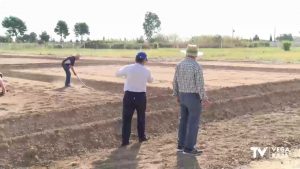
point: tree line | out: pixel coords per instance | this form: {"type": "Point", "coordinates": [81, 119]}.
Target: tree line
{"type": "Point", "coordinates": [16, 28]}
{"type": "Point", "coordinates": [152, 25]}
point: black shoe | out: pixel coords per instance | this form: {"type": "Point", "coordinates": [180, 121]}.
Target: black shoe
{"type": "Point", "coordinates": [194, 152]}
{"type": "Point", "coordinates": [143, 139]}
{"type": "Point", "coordinates": [124, 144]}
{"type": "Point", "coordinates": [180, 149]}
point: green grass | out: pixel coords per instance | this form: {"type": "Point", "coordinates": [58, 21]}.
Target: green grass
{"type": "Point", "coordinates": [90, 52]}
{"type": "Point", "coordinates": [225, 54]}
{"type": "Point", "coordinates": [254, 54]}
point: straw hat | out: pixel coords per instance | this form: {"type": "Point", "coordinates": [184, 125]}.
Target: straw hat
{"type": "Point", "coordinates": [192, 50]}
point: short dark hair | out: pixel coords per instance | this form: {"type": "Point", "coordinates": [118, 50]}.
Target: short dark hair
{"type": "Point", "coordinates": [138, 60]}
{"type": "Point", "coordinates": [1, 75]}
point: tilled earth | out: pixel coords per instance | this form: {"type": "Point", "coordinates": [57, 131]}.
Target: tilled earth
{"type": "Point", "coordinates": [43, 125]}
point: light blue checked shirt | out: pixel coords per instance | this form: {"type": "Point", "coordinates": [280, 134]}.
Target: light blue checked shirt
{"type": "Point", "coordinates": [188, 78]}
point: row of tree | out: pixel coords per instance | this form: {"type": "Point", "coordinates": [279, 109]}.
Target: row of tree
{"type": "Point", "coordinates": [17, 28]}
{"type": "Point", "coordinates": [283, 37]}
{"type": "Point", "coordinates": [80, 29]}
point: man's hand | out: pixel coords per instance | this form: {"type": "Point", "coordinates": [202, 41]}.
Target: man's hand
{"type": "Point", "coordinates": [206, 103]}
{"type": "Point", "coordinates": [178, 100]}
{"type": "Point", "coordinates": [73, 71]}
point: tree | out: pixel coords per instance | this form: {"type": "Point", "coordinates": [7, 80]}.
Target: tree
{"type": "Point", "coordinates": [271, 38]}
{"type": "Point", "coordinates": [140, 39]}
{"type": "Point", "coordinates": [15, 26]}
{"type": "Point", "coordinates": [5, 39]}
{"type": "Point", "coordinates": [285, 37]}
{"type": "Point", "coordinates": [256, 38]}
{"type": "Point", "coordinates": [31, 38]}
{"type": "Point", "coordinates": [160, 38]}
{"type": "Point", "coordinates": [44, 37]}
{"type": "Point", "coordinates": [62, 30]}
{"type": "Point", "coordinates": [151, 25]}
{"type": "Point", "coordinates": [81, 29]}
{"type": "Point", "coordinates": [217, 39]}
{"type": "Point", "coordinates": [174, 39]}
{"type": "Point", "coordinates": [24, 38]}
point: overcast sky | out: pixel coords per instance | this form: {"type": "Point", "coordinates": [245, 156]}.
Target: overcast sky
{"type": "Point", "coordinates": [124, 18]}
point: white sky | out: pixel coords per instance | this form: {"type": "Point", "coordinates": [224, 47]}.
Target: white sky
{"type": "Point", "coordinates": [124, 18]}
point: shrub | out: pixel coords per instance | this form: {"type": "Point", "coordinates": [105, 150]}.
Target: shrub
{"type": "Point", "coordinates": [146, 46]}
{"type": "Point", "coordinates": [165, 45]}
{"type": "Point", "coordinates": [133, 46]}
{"type": "Point", "coordinates": [118, 46]}
{"type": "Point", "coordinates": [256, 44]}
{"type": "Point", "coordinates": [287, 45]}
{"type": "Point", "coordinates": [5, 39]}
{"type": "Point", "coordinates": [58, 46]}
{"type": "Point", "coordinates": [97, 45]}
{"type": "Point", "coordinates": [154, 45]}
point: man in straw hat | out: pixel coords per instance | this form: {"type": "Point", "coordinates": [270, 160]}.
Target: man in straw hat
{"type": "Point", "coordinates": [68, 63]}
{"type": "Point", "coordinates": [2, 85]}
{"type": "Point", "coordinates": [188, 87]}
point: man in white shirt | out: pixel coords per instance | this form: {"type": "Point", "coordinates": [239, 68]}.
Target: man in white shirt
{"type": "Point", "coordinates": [137, 76]}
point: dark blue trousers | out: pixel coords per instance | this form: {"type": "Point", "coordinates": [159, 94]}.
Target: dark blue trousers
{"type": "Point", "coordinates": [68, 74]}
{"type": "Point", "coordinates": [133, 101]}
{"type": "Point", "coordinates": [190, 111]}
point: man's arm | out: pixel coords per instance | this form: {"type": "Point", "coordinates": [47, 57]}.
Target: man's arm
{"type": "Point", "coordinates": [175, 83]}
{"type": "Point", "coordinates": [150, 78]}
{"type": "Point", "coordinates": [200, 83]}
{"type": "Point", "coordinates": [73, 70]}
{"type": "Point", "coordinates": [122, 72]}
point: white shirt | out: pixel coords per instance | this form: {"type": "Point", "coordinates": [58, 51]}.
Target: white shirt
{"type": "Point", "coordinates": [137, 76]}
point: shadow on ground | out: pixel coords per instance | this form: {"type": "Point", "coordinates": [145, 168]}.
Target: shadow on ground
{"type": "Point", "coordinates": [123, 157]}
{"type": "Point", "coordinates": [187, 162]}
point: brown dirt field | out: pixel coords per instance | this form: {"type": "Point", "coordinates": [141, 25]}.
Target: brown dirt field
{"type": "Point", "coordinates": [27, 96]}
{"type": "Point", "coordinates": [45, 126]}
{"type": "Point", "coordinates": [164, 75]}
{"type": "Point", "coordinates": [24, 61]}
{"type": "Point", "coordinates": [230, 138]}
{"type": "Point", "coordinates": [245, 64]}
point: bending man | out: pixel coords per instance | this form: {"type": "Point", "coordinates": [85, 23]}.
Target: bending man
{"type": "Point", "coordinates": [68, 64]}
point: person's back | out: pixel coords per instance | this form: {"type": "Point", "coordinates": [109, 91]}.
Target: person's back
{"type": "Point", "coordinates": [137, 77]}
{"type": "Point", "coordinates": [188, 68]}
{"type": "Point", "coordinates": [69, 61]}
{"type": "Point", "coordinates": [188, 87]}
